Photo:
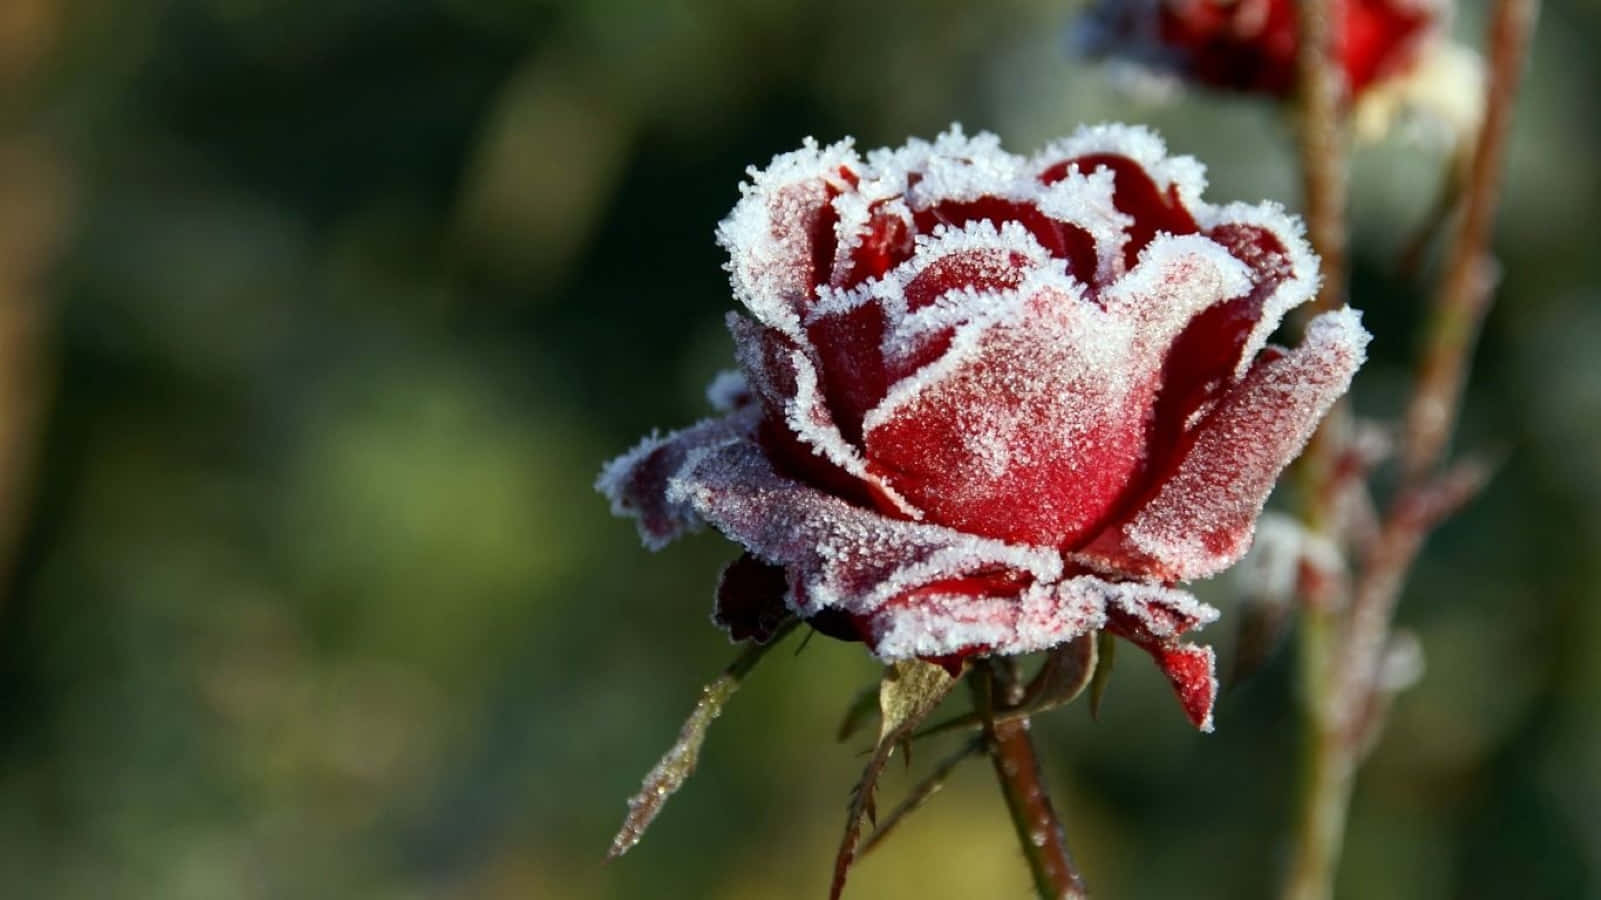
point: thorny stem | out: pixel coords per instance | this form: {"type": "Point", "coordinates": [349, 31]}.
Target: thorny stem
{"type": "Point", "coordinates": [1039, 831]}
{"type": "Point", "coordinates": [922, 793]}
{"type": "Point", "coordinates": [1341, 654]}
{"type": "Point", "coordinates": [1467, 285]}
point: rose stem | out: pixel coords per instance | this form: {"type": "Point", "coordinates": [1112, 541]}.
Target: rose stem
{"type": "Point", "coordinates": [1325, 772]}
{"type": "Point", "coordinates": [922, 793]}
{"type": "Point", "coordinates": [1339, 694]}
{"type": "Point", "coordinates": [1039, 831]}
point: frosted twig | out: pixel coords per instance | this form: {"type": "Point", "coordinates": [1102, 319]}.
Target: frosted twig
{"type": "Point", "coordinates": [1342, 655]}
{"type": "Point", "coordinates": [1468, 284]}
{"type": "Point", "coordinates": [679, 761]}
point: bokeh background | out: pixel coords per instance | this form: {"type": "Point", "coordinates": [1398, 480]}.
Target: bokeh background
{"type": "Point", "coordinates": [317, 320]}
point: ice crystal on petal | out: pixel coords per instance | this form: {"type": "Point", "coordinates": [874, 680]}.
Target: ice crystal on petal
{"type": "Point", "coordinates": [1201, 518]}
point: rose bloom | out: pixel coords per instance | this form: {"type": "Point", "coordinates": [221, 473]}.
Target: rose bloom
{"type": "Point", "coordinates": [1250, 45]}
{"type": "Point", "coordinates": [987, 403]}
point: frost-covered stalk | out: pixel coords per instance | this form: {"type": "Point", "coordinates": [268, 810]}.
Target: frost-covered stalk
{"type": "Point", "coordinates": [1344, 645]}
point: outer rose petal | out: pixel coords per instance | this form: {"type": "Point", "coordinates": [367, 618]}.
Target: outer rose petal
{"type": "Point", "coordinates": [781, 236]}
{"type": "Point", "coordinates": [1152, 617]}
{"type": "Point", "coordinates": [1200, 518]}
{"type": "Point", "coordinates": [636, 482]}
{"type": "Point", "coordinates": [836, 554]}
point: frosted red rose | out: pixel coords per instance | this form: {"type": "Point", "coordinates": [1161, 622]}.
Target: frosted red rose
{"type": "Point", "coordinates": [1250, 45]}
{"type": "Point", "coordinates": [990, 403]}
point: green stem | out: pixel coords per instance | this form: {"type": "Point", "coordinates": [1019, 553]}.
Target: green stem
{"type": "Point", "coordinates": [1328, 768]}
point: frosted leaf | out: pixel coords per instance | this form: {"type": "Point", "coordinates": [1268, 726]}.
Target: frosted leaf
{"type": "Point", "coordinates": [1202, 515]}
{"type": "Point", "coordinates": [678, 763]}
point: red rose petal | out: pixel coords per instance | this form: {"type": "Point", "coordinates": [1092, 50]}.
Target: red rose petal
{"type": "Point", "coordinates": [837, 554]}
{"type": "Point", "coordinates": [1200, 516]}
{"type": "Point", "coordinates": [1153, 619]}
{"type": "Point", "coordinates": [1028, 406]}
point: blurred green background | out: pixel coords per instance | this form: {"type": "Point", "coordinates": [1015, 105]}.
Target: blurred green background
{"type": "Point", "coordinates": [318, 319]}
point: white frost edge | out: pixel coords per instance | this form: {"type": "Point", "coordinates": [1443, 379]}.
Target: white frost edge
{"type": "Point", "coordinates": [1299, 287]}
{"type": "Point", "coordinates": [747, 232]}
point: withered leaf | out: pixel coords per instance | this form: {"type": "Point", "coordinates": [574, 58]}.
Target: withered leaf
{"type": "Point", "coordinates": [909, 691]}
{"type": "Point", "coordinates": [1065, 673]}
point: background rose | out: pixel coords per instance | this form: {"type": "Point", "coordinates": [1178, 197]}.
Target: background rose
{"type": "Point", "coordinates": [992, 403]}
{"type": "Point", "coordinates": [1249, 45]}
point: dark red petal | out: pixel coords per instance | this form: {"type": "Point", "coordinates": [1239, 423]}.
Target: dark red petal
{"type": "Point", "coordinates": [881, 243]}
{"type": "Point", "coordinates": [1153, 619]}
{"type": "Point", "coordinates": [1203, 358]}
{"type": "Point", "coordinates": [1202, 512]}
{"type": "Point", "coordinates": [1136, 194]}
{"type": "Point", "coordinates": [851, 361]}
{"type": "Point", "coordinates": [1063, 240]}
{"type": "Point", "coordinates": [798, 428]}
{"type": "Point", "coordinates": [1191, 671]}
{"type": "Point", "coordinates": [750, 599]}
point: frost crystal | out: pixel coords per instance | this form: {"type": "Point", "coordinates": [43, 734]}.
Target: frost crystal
{"type": "Point", "coordinates": [992, 403]}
